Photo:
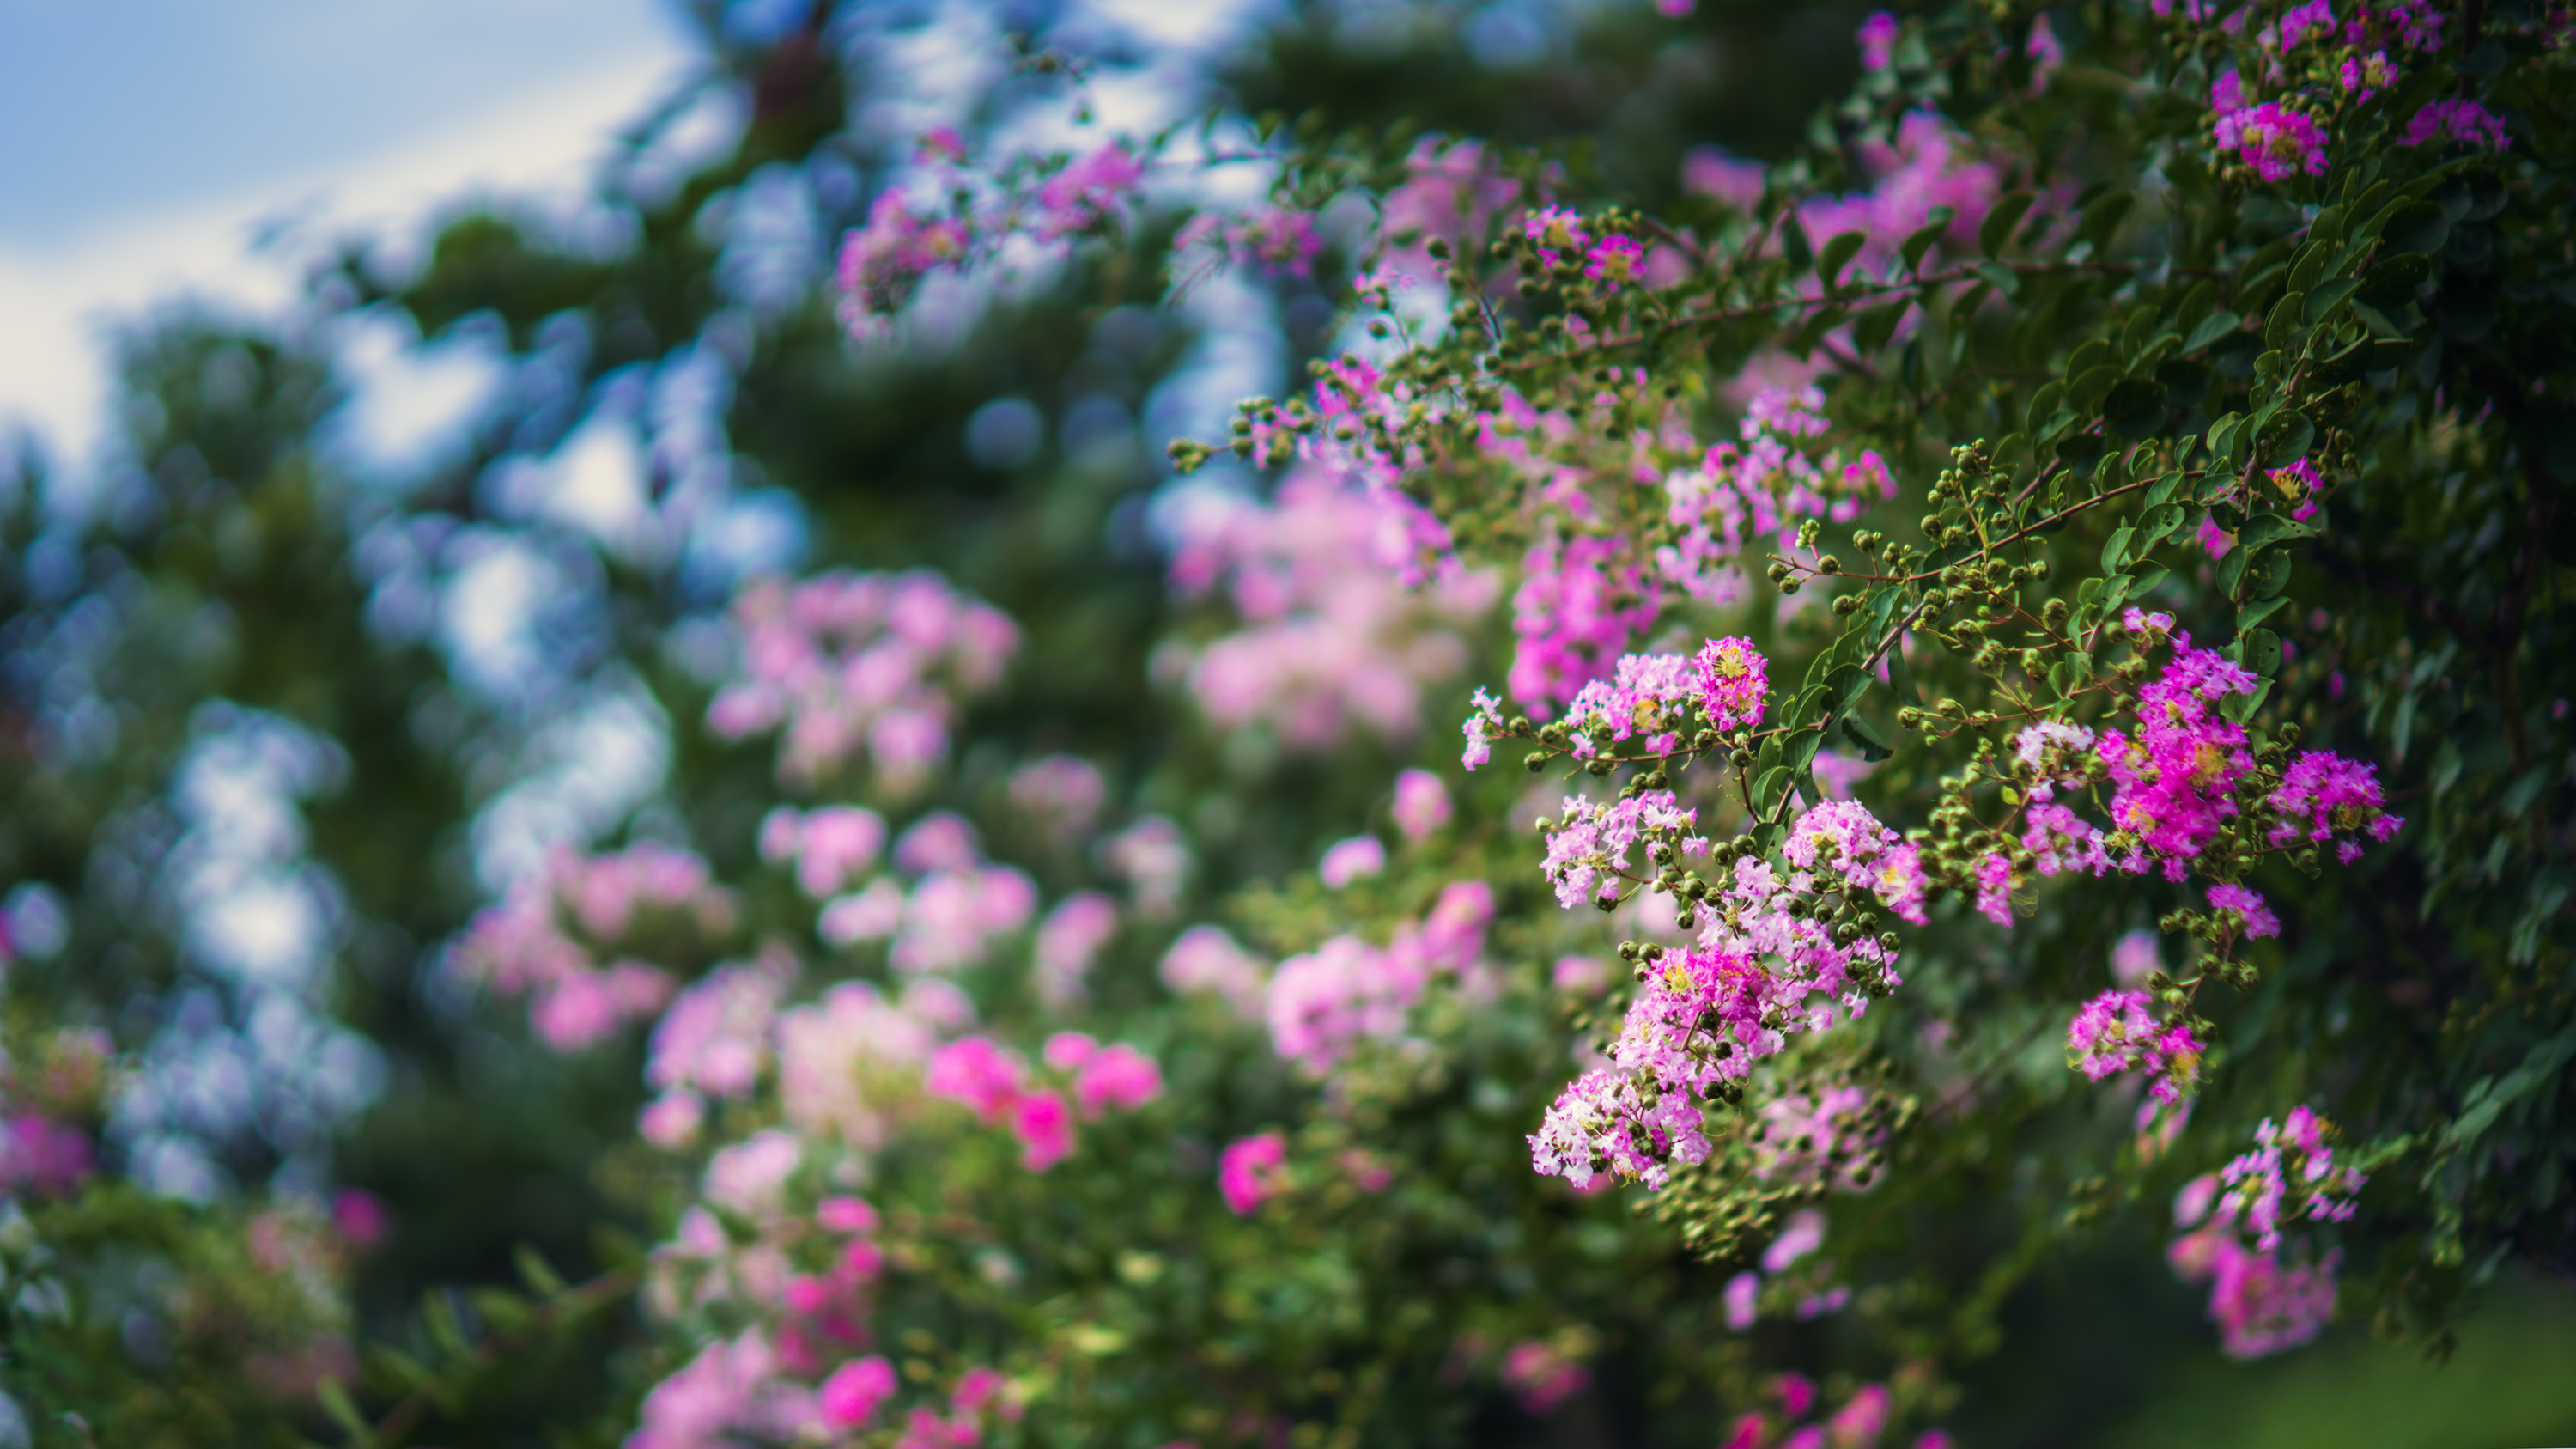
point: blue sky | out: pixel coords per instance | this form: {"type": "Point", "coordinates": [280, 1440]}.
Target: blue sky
{"type": "Point", "coordinates": [148, 139]}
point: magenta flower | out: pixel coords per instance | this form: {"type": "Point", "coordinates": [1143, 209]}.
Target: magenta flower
{"type": "Point", "coordinates": [2365, 76]}
{"type": "Point", "coordinates": [1250, 1171]}
{"type": "Point", "coordinates": [1557, 232]}
{"type": "Point", "coordinates": [1734, 679]}
{"type": "Point", "coordinates": [975, 1072]}
{"type": "Point", "coordinates": [1614, 261]}
{"type": "Point", "coordinates": [2462, 121]}
{"type": "Point", "coordinates": [2276, 141]}
{"type": "Point", "coordinates": [855, 1391]}
{"type": "Point", "coordinates": [1044, 1125]}
{"type": "Point", "coordinates": [1119, 1076]}
{"type": "Point", "coordinates": [2114, 1032]}
{"type": "Point", "coordinates": [2324, 796]}
{"type": "Point", "coordinates": [2252, 917]}
{"type": "Point", "coordinates": [1878, 41]}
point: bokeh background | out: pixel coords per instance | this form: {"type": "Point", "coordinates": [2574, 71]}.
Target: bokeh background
{"type": "Point", "coordinates": [392, 395]}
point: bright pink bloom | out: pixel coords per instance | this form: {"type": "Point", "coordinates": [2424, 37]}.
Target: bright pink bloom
{"type": "Point", "coordinates": [2276, 141]}
{"type": "Point", "coordinates": [1044, 1125]}
{"type": "Point", "coordinates": [1878, 41]}
{"type": "Point", "coordinates": [1541, 1377]}
{"type": "Point", "coordinates": [1121, 1077]}
{"type": "Point", "coordinates": [359, 1217]}
{"type": "Point", "coordinates": [845, 1215]}
{"type": "Point", "coordinates": [856, 1390]}
{"type": "Point", "coordinates": [1251, 1171]}
{"type": "Point", "coordinates": [2252, 917]}
{"type": "Point", "coordinates": [1613, 261]}
{"type": "Point", "coordinates": [1734, 680]}
{"type": "Point", "coordinates": [974, 1071]}
{"type": "Point", "coordinates": [2115, 1032]}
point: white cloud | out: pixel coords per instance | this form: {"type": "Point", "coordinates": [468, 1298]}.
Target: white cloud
{"type": "Point", "coordinates": [55, 300]}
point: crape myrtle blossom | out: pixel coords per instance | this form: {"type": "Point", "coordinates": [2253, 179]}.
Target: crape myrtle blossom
{"type": "Point", "coordinates": [1206, 959]}
{"type": "Point", "coordinates": [995, 1083]}
{"type": "Point", "coordinates": [1765, 967]}
{"type": "Point", "coordinates": [2117, 1032]}
{"type": "Point", "coordinates": [830, 847]}
{"type": "Point", "coordinates": [860, 665]}
{"type": "Point", "coordinates": [1324, 1003]}
{"type": "Point", "coordinates": [1252, 1171]}
{"type": "Point", "coordinates": [881, 263]}
{"type": "Point", "coordinates": [1421, 804]}
{"type": "Point", "coordinates": [1061, 794]}
{"type": "Point", "coordinates": [1068, 940]}
{"type": "Point", "coordinates": [1273, 240]}
{"type": "Point", "coordinates": [2464, 122]}
{"type": "Point", "coordinates": [2263, 1299]}
{"type": "Point", "coordinates": [955, 911]}
{"type": "Point", "coordinates": [1756, 487]}
{"type": "Point", "coordinates": [2325, 797]}
{"type": "Point", "coordinates": [544, 939]}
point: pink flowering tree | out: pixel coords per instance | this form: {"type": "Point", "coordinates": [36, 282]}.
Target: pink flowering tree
{"type": "Point", "coordinates": [2006, 656]}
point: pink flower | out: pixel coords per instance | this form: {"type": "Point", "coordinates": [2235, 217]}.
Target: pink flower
{"type": "Point", "coordinates": [2252, 916]}
{"type": "Point", "coordinates": [2115, 1032]}
{"type": "Point", "coordinates": [1613, 261]}
{"type": "Point", "coordinates": [2299, 485]}
{"type": "Point", "coordinates": [2463, 121]}
{"type": "Point", "coordinates": [2276, 141]}
{"type": "Point", "coordinates": [1044, 1125]}
{"type": "Point", "coordinates": [974, 1071]}
{"type": "Point", "coordinates": [2365, 76]}
{"type": "Point", "coordinates": [359, 1217]}
{"type": "Point", "coordinates": [1120, 1077]}
{"type": "Point", "coordinates": [1709, 171]}
{"type": "Point", "coordinates": [1421, 804]}
{"type": "Point", "coordinates": [671, 1121]}
{"type": "Point", "coordinates": [1861, 1419]}
{"type": "Point", "coordinates": [1994, 890]}
{"type": "Point", "coordinates": [856, 1390]}
{"type": "Point", "coordinates": [1878, 41]}
{"type": "Point", "coordinates": [845, 1215]}
{"type": "Point", "coordinates": [1541, 1377]}
{"type": "Point", "coordinates": [2326, 797]}
{"type": "Point", "coordinates": [1804, 1233]}
{"type": "Point", "coordinates": [1734, 679]}
{"type": "Point", "coordinates": [1250, 1171]}
{"type": "Point", "coordinates": [1086, 192]}
{"type": "Point", "coordinates": [1352, 859]}
{"type": "Point", "coordinates": [1557, 232]}
{"type": "Point", "coordinates": [1741, 1293]}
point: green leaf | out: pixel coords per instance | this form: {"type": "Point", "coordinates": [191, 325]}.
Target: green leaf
{"type": "Point", "coordinates": [2044, 404]}
{"type": "Point", "coordinates": [2135, 408]}
{"type": "Point", "coordinates": [2288, 438]}
{"type": "Point", "coordinates": [344, 1411]}
{"type": "Point", "coordinates": [2323, 300]}
{"type": "Point", "coordinates": [2253, 614]}
{"type": "Point", "coordinates": [540, 1277]}
{"type": "Point", "coordinates": [2000, 278]}
{"type": "Point", "coordinates": [1767, 788]}
{"type": "Point", "coordinates": [2103, 217]}
{"type": "Point", "coordinates": [2262, 651]}
{"type": "Point", "coordinates": [2392, 281]}
{"type": "Point", "coordinates": [2240, 707]}
{"type": "Point", "coordinates": [1876, 325]}
{"type": "Point", "coordinates": [2081, 451]}
{"type": "Point", "coordinates": [2115, 552]}
{"type": "Point", "coordinates": [1838, 254]}
{"type": "Point", "coordinates": [2085, 394]}
{"type": "Point", "coordinates": [2284, 321]}
{"type": "Point", "coordinates": [1861, 732]}
{"type": "Point", "coordinates": [1794, 244]}
{"type": "Point", "coordinates": [1997, 228]}
{"type": "Point", "coordinates": [1936, 221]}
{"type": "Point", "coordinates": [2310, 267]}
{"type": "Point", "coordinates": [1900, 676]}
{"type": "Point", "coordinates": [2088, 355]}
{"type": "Point", "coordinates": [2195, 306]}
{"type": "Point", "coordinates": [2158, 525]}
{"type": "Point", "coordinates": [2417, 226]}
{"type": "Point", "coordinates": [2212, 327]}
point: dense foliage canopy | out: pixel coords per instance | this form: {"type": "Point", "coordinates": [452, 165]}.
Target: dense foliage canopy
{"type": "Point", "coordinates": [806, 879]}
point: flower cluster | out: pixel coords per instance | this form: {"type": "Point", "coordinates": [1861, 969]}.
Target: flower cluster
{"type": "Point", "coordinates": [882, 262]}
{"type": "Point", "coordinates": [995, 1082]}
{"type": "Point", "coordinates": [544, 939]}
{"type": "Point", "coordinates": [2325, 797]}
{"type": "Point", "coordinates": [1756, 486]}
{"type": "Point", "coordinates": [2176, 776]}
{"type": "Point", "coordinates": [2117, 1032]}
{"type": "Point", "coordinates": [853, 664]}
{"type": "Point", "coordinates": [1271, 239]}
{"type": "Point", "coordinates": [1769, 963]}
{"type": "Point", "coordinates": [1323, 1003]}
{"type": "Point", "coordinates": [957, 906]}
{"type": "Point", "coordinates": [2263, 1300]}
{"type": "Point", "coordinates": [1331, 637]}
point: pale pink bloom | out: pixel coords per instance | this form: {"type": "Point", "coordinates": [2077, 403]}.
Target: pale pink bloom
{"type": "Point", "coordinates": [749, 1176]}
{"type": "Point", "coordinates": [1421, 804]}
{"type": "Point", "coordinates": [671, 1121]}
{"type": "Point", "coordinates": [1352, 859]}
{"type": "Point", "coordinates": [1205, 958]}
{"type": "Point", "coordinates": [1120, 1076]}
{"type": "Point", "coordinates": [1801, 1235]}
